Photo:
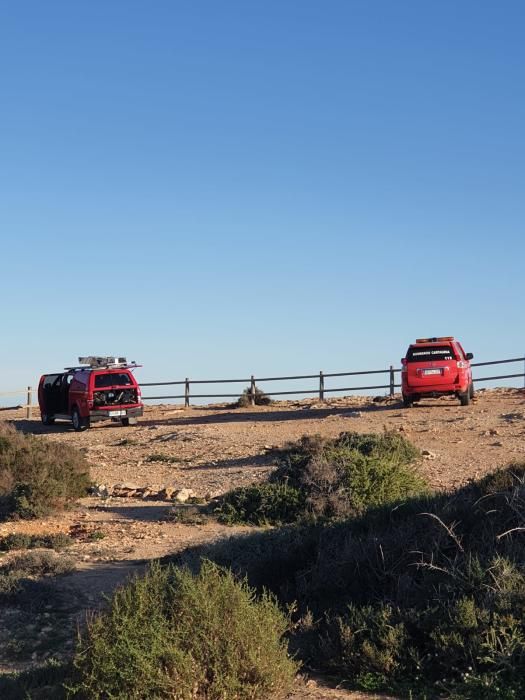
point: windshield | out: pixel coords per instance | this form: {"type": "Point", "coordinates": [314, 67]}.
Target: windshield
{"type": "Point", "coordinates": [430, 354]}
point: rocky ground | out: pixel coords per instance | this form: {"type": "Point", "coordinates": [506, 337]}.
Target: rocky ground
{"type": "Point", "coordinates": [143, 472]}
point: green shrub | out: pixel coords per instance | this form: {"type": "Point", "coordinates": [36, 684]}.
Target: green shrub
{"type": "Point", "coordinates": [37, 476]}
{"type": "Point", "coordinates": [346, 475]}
{"type": "Point", "coordinates": [39, 562]}
{"type": "Point", "coordinates": [328, 478]}
{"type": "Point", "coordinates": [21, 540]}
{"type": "Point", "coordinates": [261, 504]}
{"type": "Point", "coordinates": [171, 634]}
{"type": "Point", "coordinates": [245, 399]}
{"type": "Point", "coordinates": [35, 564]}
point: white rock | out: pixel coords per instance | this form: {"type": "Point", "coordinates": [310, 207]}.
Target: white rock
{"type": "Point", "coordinates": [184, 495]}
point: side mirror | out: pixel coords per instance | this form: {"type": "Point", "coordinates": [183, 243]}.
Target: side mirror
{"type": "Point", "coordinates": [469, 356]}
{"type": "Point", "coordinates": [403, 361]}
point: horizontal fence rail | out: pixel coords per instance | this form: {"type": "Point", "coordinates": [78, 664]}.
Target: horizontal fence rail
{"type": "Point", "coordinates": [320, 390]}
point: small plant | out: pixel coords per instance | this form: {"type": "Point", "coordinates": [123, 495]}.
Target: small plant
{"type": "Point", "coordinates": [188, 515]}
{"type": "Point", "coordinates": [36, 476]}
{"type": "Point", "coordinates": [34, 564]}
{"type": "Point", "coordinates": [57, 541]}
{"type": "Point", "coordinates": [172, 634]}
{"type": "Point", "coordinates": [38, 562]}
{"type": "Point", "coordinates": [96, 535]}
{"type": "Point", "coordinates": [261, 504]}
{"type": "Point", "coordinates": [245, 399]}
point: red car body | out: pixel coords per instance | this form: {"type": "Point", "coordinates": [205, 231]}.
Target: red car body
{"type": "Point", "coordinates": [84, 395]}
{"type": "Point", "coordinates": [436, 367]}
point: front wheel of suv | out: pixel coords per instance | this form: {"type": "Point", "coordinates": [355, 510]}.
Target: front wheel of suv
{"type": "Point", "coordinates": [47, 419]}
{"type": "Point", "coordinates": [78, 422]}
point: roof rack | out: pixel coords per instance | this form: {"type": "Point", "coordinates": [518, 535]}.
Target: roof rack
{"type": "Point", "coordinates": [103, 362]}
{"type": "Point", "coordinates": [435, 340]}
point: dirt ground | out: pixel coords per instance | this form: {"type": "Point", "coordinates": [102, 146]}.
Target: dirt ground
{"type": "Point", "coordinates": [213, 449]}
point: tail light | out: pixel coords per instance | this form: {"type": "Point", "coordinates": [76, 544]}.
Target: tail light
{"type": "Point", "coordinates": [462, 365]}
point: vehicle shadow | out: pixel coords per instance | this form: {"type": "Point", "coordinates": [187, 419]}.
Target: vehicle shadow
{"type": "Point", "coordinates": [35, 427]}
{"type": "Point", "coordinates": [146, 512]}
{"type": "Point", "coordinates": [269, 416]}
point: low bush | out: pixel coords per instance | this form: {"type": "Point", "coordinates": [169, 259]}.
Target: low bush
{"type": "Point", "coordinates": [37, 476]}
{"type": "Point", "coordinates": [261, 504]}
{"type": "Point", "coordinates": [345, 475]}
{"type": "Point", "coordinates": [245, 399]}
{"type": "Point", "coordinates": [36, 563]}
{"type": "Point", "coordinates": [328, 478]}
{"type": "Point", "coordinates": [16, 574]}
{"type": "Point", "coordinates": [171, 634]}
{"type": "Point", "coordinates": [19, 540]}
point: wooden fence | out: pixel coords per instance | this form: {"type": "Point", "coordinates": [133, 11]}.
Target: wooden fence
{"type": "Point", "coordinates": [252, 382]}
{"type": "Point", "coordinates": [320, 390]}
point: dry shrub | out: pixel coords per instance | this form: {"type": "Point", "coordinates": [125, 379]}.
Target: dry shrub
{"type": "Point", "coordinates": [245, 399]}
{"type": "Point", "coordinates": [37, 476]}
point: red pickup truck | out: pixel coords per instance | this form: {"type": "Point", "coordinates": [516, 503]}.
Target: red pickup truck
{"type": "Point", "coordinates": [104, 389]}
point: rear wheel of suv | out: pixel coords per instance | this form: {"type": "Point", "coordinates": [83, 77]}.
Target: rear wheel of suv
{"type": "Point", "coordinates": [128, 421]}
{"type": "Point", "coordinates": [471, 390]}
{"type": "Point", "coordinates": [464, 397]}
{"type": "Point", "coordinates": [408, 400]}
{"type": "Point", "coordinates": [79, 423]}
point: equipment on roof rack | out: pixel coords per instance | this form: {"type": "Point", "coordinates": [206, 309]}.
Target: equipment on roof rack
{"type": "Point", "coordinates": [103, 362]}
{"type": "Point", "coordinates": [435, 340]}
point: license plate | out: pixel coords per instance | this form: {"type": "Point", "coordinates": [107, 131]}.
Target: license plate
{"type": "Point", "coordinates": [113, 414]}
{"type": "Point", "coordinates": [431, 371]}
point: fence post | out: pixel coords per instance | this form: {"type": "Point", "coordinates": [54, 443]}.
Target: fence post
{"type": "Point", "coordinates": [252, 390]}
{"type": "Point", "coordinates": [392, 380]}
{"type": "Point", "coordinates": [321, 386]}
{"type": "Point", "coordinates": [187, 393]}
{"type": "Point", "coordinates": [29, 402]}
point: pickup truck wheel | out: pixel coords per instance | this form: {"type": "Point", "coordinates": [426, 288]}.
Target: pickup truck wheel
{"type": "Point", "coordinates": [471, 390]}
{"type": "Point", "coordinates": [408, 400]}
{"type": "Point", "coordinates": [78, 422]}
{"type": "Point", "coordinates": [464, 397]}
{"type": "Point", "coordinates": [128, 421]}
{"type": "Point", "coordinates": [47, 419]}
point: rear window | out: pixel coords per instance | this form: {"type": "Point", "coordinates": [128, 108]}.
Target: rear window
{"type": "Point", "coordinates": [430, 354]}
{"type": "Point", "coordinates": [114, 379]}
{"type": "Point", "coordinates": [50, 379]}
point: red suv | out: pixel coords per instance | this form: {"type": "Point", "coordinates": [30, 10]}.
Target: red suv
{"type": "Point", "coordinates": [436, 367]}
{"type": "Point", "coordinates": [104, 389]}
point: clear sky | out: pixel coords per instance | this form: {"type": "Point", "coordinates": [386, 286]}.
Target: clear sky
{"type": "Point", "coordinates": [267, 186]}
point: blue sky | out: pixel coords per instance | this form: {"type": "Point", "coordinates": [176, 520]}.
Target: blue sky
{"type": "Point", "coordinates": [216, 189]}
